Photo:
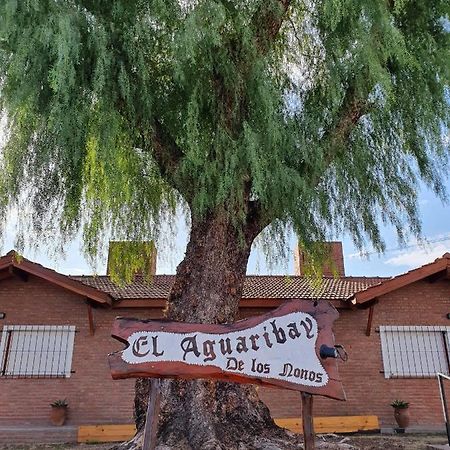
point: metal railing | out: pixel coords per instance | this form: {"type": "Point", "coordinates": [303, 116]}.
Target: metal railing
{"type": "Point", "coordinates": [36, 351]}
{"type": "Point", "coordinates": [415, 351]}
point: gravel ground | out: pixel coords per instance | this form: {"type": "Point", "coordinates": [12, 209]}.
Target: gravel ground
{"type": "Point", "coordinates": [324, 442]}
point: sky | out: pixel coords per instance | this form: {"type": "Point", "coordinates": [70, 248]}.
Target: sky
{"type": "Point", "coordinates": [436, 232]}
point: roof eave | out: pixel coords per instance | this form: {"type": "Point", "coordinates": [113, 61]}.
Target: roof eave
{"type": "Point", "coordinates": [385, 287]}
{"type": "Point", "coordinates": [12, 259]}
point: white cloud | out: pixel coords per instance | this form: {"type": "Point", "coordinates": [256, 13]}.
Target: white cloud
{"type": "Point", "coordinates": [419, 256]}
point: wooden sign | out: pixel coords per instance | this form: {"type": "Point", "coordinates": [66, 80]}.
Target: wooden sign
{"type": "Point", "coordinates": [281, 348]}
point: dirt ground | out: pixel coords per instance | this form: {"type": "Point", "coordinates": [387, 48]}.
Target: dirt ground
{"type": "Point", "coordinates": [57, 447]}
{"type": "Point", "coordinates": [324, 442]}
{"type": "Point", "coordinates": [379, 441]}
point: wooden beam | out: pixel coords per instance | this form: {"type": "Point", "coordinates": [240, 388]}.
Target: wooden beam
{"type": "Point", "coordinates": [369, 320]}
{"type": "Point", "coordinates": [140, 303]}
{"type": "Point", "coordinates": [151, 421]}
{"type": "Point", "coordinates": [333, 424]}
{"type": "Point", "coordinates": [105, 433]}
{"type": "Point", "coordinates": [264, 303]}
{"type": "Point", "coordinates": [144, 364]}
{"type": "Point", "coordinates": [307, 421]}
{"type": "Point", "coordinates": [91, 319]}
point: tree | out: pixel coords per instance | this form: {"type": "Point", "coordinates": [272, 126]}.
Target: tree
{"type": "Point", "coordinates": [322, 116]}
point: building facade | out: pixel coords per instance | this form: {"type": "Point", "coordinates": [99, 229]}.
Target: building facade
{"type": "Point", "coordinates": [55, 336]}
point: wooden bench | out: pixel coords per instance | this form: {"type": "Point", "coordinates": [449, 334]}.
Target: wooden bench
{"type": "Point", "coordinates": [105, 433]}
{"type": "Point", "coordinates": [338, 424]}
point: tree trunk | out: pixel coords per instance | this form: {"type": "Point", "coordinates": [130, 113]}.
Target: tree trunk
{"type": "Point", "coordinates": [205, 414]}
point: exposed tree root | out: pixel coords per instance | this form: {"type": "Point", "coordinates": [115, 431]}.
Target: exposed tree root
{"type": "Point", "coordinates": [203, 415]}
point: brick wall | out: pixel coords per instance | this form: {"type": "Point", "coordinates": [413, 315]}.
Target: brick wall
{"type": "Point", "coordinates": [335, 255]}
{"type": "Point", "coordinates": [92, 395]}
{"type": "Point", "coordinates": [368, 391]}
{"type": "Point", "coordinates": [95, 398]}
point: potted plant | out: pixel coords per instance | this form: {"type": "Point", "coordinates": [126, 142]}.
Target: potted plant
{"type": "Point", "coordinates": [401, 413]}
{"type": "Point", "coordinates": [58, 413]}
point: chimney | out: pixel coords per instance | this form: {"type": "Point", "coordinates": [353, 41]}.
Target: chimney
{"type": "Point", "coordinates": [137, 257]}
{"type": "Point", "coordinates": [333, 264]}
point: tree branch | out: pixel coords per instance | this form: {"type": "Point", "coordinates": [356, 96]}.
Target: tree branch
{"type": "Point", "coordinates": [268, 20]}
{"type": "Point", "coordinates": [165, 150]}
{"type": "Point", "coordinates": [256, 220]}
{"type": "Point", "coordinates": [257, 217]}
{"type": "Point", "coordinates": [352, 109]}
{"type": "Point", "coordinates": [166, 153]}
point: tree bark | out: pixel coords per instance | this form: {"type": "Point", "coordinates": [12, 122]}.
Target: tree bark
{"type": "Point", "coordinates": [201, 414]}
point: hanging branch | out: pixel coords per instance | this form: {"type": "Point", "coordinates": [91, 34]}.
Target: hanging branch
{"type": "Point", "coordinates": [268, 20]}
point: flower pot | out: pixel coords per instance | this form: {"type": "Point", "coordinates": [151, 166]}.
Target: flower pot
{"type": "Point", "coordinates": [402, 417]}
{"type": "Point", "coordinates": [58, 415]}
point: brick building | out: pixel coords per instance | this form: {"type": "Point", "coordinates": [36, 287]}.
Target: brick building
{"type": "Point", "coordinates": [55, 335]}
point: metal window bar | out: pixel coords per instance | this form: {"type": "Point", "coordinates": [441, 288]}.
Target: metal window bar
{"type": "Point", "coordinates": [36, 351]}
{"type": "Point", "coordinates": [6, 352]}
{"type": "Point", "coordinates": [415, 351]}
{"type": "Point", "coordinates": [441, 377]}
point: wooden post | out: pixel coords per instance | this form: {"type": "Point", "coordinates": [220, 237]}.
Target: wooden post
{"type": "Point", "coordinates": [151, 421]}
{"type": "Point", "coordinates": [91, 319]}
{"type": "Point", "coordinates": [307, 421]}
{"type": "Point", "coordinates": [370, 318]}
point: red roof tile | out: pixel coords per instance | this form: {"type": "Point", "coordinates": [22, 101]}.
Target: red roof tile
{"type": "Point", "coordinates": [256, 287]}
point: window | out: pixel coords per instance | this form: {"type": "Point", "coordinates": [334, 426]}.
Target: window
{"type": "Point", "coordinates": [415, 351]}
{"type": "Point", "coordinates": [36, 351]}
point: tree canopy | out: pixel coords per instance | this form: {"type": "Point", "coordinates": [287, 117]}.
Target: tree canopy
{"type": "Point", "coordinates": [321, 115]}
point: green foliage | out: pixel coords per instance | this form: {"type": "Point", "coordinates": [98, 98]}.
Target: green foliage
{"type": "Point", "coordinates": [125, 259]}
{"type": "Point", "coordinates": [330, 125]}
{"type": "Point", "coordinates": [400, 404]}
{"type": "Point", "coordinates": [62, 403]}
